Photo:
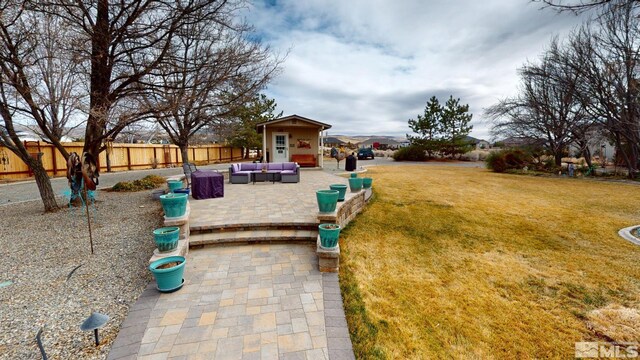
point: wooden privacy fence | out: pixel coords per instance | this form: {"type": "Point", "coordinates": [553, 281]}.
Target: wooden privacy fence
{"type": "Point", "coordinates": [121, 156]}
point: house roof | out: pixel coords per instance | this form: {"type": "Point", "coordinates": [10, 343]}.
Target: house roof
{"type": "Point", "coordinates": [293, 117]}
{"type": "Point", "coordinates": [332, 140]}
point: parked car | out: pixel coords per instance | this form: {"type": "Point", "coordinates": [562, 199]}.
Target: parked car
{"type": "Point", "coordinates": [365, 153]}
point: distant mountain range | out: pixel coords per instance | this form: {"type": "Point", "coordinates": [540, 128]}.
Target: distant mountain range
{"type": "Point", "coordinates": [354, 139]}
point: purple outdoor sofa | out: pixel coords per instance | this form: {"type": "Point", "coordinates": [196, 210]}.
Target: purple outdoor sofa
{"type": "Point", "coordinates": [288, 172]}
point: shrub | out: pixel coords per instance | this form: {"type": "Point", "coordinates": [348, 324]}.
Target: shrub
{"type": "Point", "coordinates": [496, 162]}
{"type": "Point", "coordinates": [508, 159]}
{"type": "Point", "coordinates": [146, 183]}
{"type": "Point", "coordinates": [410, 153]}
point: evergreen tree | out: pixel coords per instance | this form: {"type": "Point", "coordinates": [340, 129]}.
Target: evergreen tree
{"type": "Point", "coordinates": [427, 126]}
{"type": "Point", "coordinates": [245, 118]}
{"type": "Point", "coordinates": [442, 129]}
{"type": "Point", "coordinates": [455, 127]}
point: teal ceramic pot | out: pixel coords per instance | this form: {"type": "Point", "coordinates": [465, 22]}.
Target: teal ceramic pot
{"type": "Point", "coordinates": [174, 185]}
{"type": "Point", "coordinates": [327, 200]}
{"type": "Point", "coordinates": [342, 190]}
{"type": "Point", "coordinates": [355, 184]}
{"type": "Point", "coordinates": [169, 279]}
{"type": "Point", "coordinates": [174, 205]}
{"type": "Point", "coordinates": [329, 235]}
{"type": "Point", "coordinates": [367, 182]}
{"type": "Point", "coordinates": [166, 238]}
{"type": "Point", "coordinates": [354, 175]}
{"type": "Point", "coordinates": [182, 191]}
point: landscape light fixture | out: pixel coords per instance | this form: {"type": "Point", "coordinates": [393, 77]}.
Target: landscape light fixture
{"type": "Point", "coordinates": [94, 322]}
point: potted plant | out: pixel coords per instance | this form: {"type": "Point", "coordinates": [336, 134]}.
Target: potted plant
{"type": "Point", "coordinates": [182, 191]}
{"type": "Point", "coordinates": [367, 182]}
{"type": "Point", "coordinates": [355, 184]}
{"type": "Point", "coordinates": [168, 273]}
{"type": "Point", "coordinates": [174, 185]}
{"type": "Point", "coordinates": [174, 205]}
{"type": "Point", "coordinates": [342, 190]}
{"type": "Point", "coordinates": [166, 238]}
{"type": "Point", "coordinates": [329, 234]}
{"type": "Point", "coordinates": [327, 200]}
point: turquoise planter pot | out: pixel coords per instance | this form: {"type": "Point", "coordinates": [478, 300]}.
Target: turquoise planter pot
{"type": "Point", "coordinates": [354, 175]}
{"type": "Point", "coordinates": [327, 200]}
{"type": "Point", "coordinates": [166, 238]}
{"type": "Point", "coordinates": [169, 280]}
{"type": "Point", "coordinates": [182, 191]}
{"type": "Point", "coordinates": [342, 190]}
{"type": "Point", "coordinates": [355, 184]}
{"type": "Point", "coordinates": [174, 205]}
{"type": "Point", "coordinates": [174, 185]}
{"type": "Point", "coordinates": [367, 182]}
{"type": "Point", "coordinates": [329, 235]}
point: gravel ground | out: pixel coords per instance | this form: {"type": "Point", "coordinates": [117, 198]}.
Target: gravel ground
{"type": "Point", "coordinates": [39, 252]}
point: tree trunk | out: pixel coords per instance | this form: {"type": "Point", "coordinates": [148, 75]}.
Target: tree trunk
{"type": "Point", "coordinates": [587, 156]}
{"type": "Point", "coordinates": [246, 153]}
{"type": "Point", "coordinates": [184, 150]}
{"type": "Point", "coordinates": [99, 103]}
{"type": "Point", "coordinates": [44, 184]}
{"type": "Point", "coordinates": [558, 158]}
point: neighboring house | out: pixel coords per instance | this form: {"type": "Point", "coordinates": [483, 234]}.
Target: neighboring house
{"type": "Point", "coordinates": [331, 142]}
{"type": "Point", "coordinates": [478, 143]}
{"type": "Point", "coordinates": [599, 146]}
{"type": "Point", "coordinates": [292, 137]}
{"type": "Point", "coordinates": [512, 142]}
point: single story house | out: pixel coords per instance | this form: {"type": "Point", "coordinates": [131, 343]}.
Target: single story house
{"type": "Point", "coordinates": [478, 143]}
{"type": "Point", "coordinates": [330, 141]}
{"type": "Point", "coordinates": [292, 138]}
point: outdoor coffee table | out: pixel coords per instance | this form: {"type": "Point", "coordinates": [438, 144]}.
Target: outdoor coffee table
{"type": "Point", "coordinates": [264, 176]}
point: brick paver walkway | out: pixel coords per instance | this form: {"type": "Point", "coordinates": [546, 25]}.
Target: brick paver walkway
{"type": "Point", "coordinates": [241, 302]}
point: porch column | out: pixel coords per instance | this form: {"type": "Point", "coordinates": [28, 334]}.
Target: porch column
{"type": "Point", "coordinates": [321, 149]}
{"type": "Point", "coordinates": [264, 143]}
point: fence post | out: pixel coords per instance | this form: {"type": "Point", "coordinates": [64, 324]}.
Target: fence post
{"type": "Point", "coordinates": [129, 158]}
{"type": "Point", "coordinates": [53, 156]}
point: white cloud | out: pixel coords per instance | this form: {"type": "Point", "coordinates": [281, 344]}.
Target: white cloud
{"type": "Point", "coordinates": [366, 67]}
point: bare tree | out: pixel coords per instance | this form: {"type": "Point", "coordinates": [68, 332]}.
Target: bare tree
{"type": "Point", "coordinates": [548, 108]}
{"type": "Point", "coordinates": [37, 85]}
{"type": "Point", "coordinates": [608, 57]}
{"type": "Point", "coordinates": [584, 5]}
{"type": "Point", "coordinates": [123, 43]}
{"type": "Point", "coordinates": [211, 69]}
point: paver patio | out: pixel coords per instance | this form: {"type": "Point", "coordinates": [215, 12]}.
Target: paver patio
{"type": "Point", "coordinates": [262, 301]}
{"type": "Point", "coordinates": [265, 202]}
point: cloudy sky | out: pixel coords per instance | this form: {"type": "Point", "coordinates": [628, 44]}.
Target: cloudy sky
{"type": "Point", "coordinates": [367, 66]}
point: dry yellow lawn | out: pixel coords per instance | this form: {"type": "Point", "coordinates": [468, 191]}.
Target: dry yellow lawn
{"type": "Point", "coordinates": [463, 263]}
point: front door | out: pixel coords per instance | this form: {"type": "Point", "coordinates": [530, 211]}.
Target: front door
{"type": "Point", "coordinates": [281, 147]}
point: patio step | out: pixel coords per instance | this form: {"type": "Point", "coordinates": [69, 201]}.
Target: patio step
{"type": "Point", "coordinates": [245, 236]}
{"type": "Point", "coordinates": [252, 227]}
